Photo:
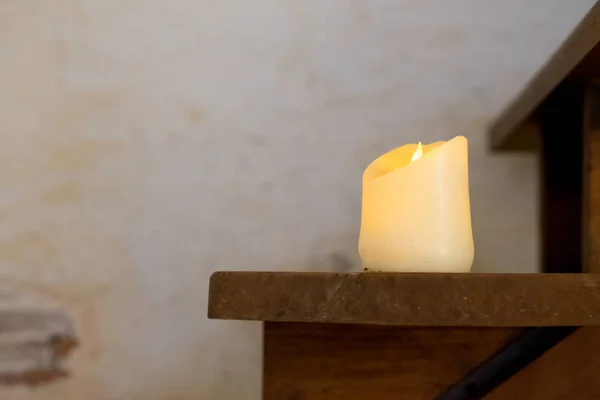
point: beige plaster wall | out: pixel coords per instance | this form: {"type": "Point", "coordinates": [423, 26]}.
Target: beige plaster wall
{"type": "Point", "coordinates": [145, 144]}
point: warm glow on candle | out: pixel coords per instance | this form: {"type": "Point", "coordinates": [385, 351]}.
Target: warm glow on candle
{"type": "Point", "coordinates": [416, 216]}
{"type": "Point", "coordinates": [418, 153]}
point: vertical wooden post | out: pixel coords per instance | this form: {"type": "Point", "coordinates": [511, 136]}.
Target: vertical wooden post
{"type": "Point", "coordinates": [591, 176]}
{"type": "Point", "coordinates": [562, 182]}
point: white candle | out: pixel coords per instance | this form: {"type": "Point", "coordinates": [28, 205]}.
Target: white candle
{"type": "Point", "coordinates": [416, 214]}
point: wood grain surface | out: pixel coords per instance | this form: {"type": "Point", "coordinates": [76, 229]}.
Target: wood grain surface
{"type": "Point", "coordinates": [494, 300]}
{"type": "Point", "coordinates": [357, 362]}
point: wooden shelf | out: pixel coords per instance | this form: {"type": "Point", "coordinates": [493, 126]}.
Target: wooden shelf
{"type": "Point", "coordinates": [578, 57]}
{"type": "Point", "coordinates": [484, 300]}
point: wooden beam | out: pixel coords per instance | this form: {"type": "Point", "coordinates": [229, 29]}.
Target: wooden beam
{"type": "Point", "coordinates": [569, 55]}
{"type": "Point", "coordinates": [589, 68]}
{"type": "Point", "coordinates": [493, 300]}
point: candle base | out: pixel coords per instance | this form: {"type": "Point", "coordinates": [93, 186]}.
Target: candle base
{"type": "Point", "coordinates": [448, 269]}
{"type": "Point", "coordinates": [375, 271]}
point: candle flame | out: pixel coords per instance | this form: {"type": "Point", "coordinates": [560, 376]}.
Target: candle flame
{"type": "Point", "coordinates": [418, 153]}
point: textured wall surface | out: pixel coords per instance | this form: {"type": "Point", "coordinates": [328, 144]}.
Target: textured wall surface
{"type": "Point", "coordinates": [145, 144]}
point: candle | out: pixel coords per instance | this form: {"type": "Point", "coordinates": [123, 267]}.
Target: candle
{"type": "Point", "coordinates": [416, 214]}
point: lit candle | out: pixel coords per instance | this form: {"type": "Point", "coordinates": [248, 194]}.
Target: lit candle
{"type": "Point", "coordinates": [416, 214]}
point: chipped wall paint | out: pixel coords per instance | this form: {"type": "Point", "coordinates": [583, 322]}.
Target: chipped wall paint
{"type": "Point", "coordinates": [145, 144]}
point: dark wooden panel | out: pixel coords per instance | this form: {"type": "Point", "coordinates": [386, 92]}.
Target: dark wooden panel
{"type": "Point", "coordinates": [567, 371]}
{"type": "Point", "coordinates": [592, 179]}
{"type": "Point", "coordinates": [357, 362]}
{"type": "Point", "coordinates": [569, 55]}
{"type": "Point", "coordinates": [562, 179]}
{"type": "Point", "coordinates": [408, 299]}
